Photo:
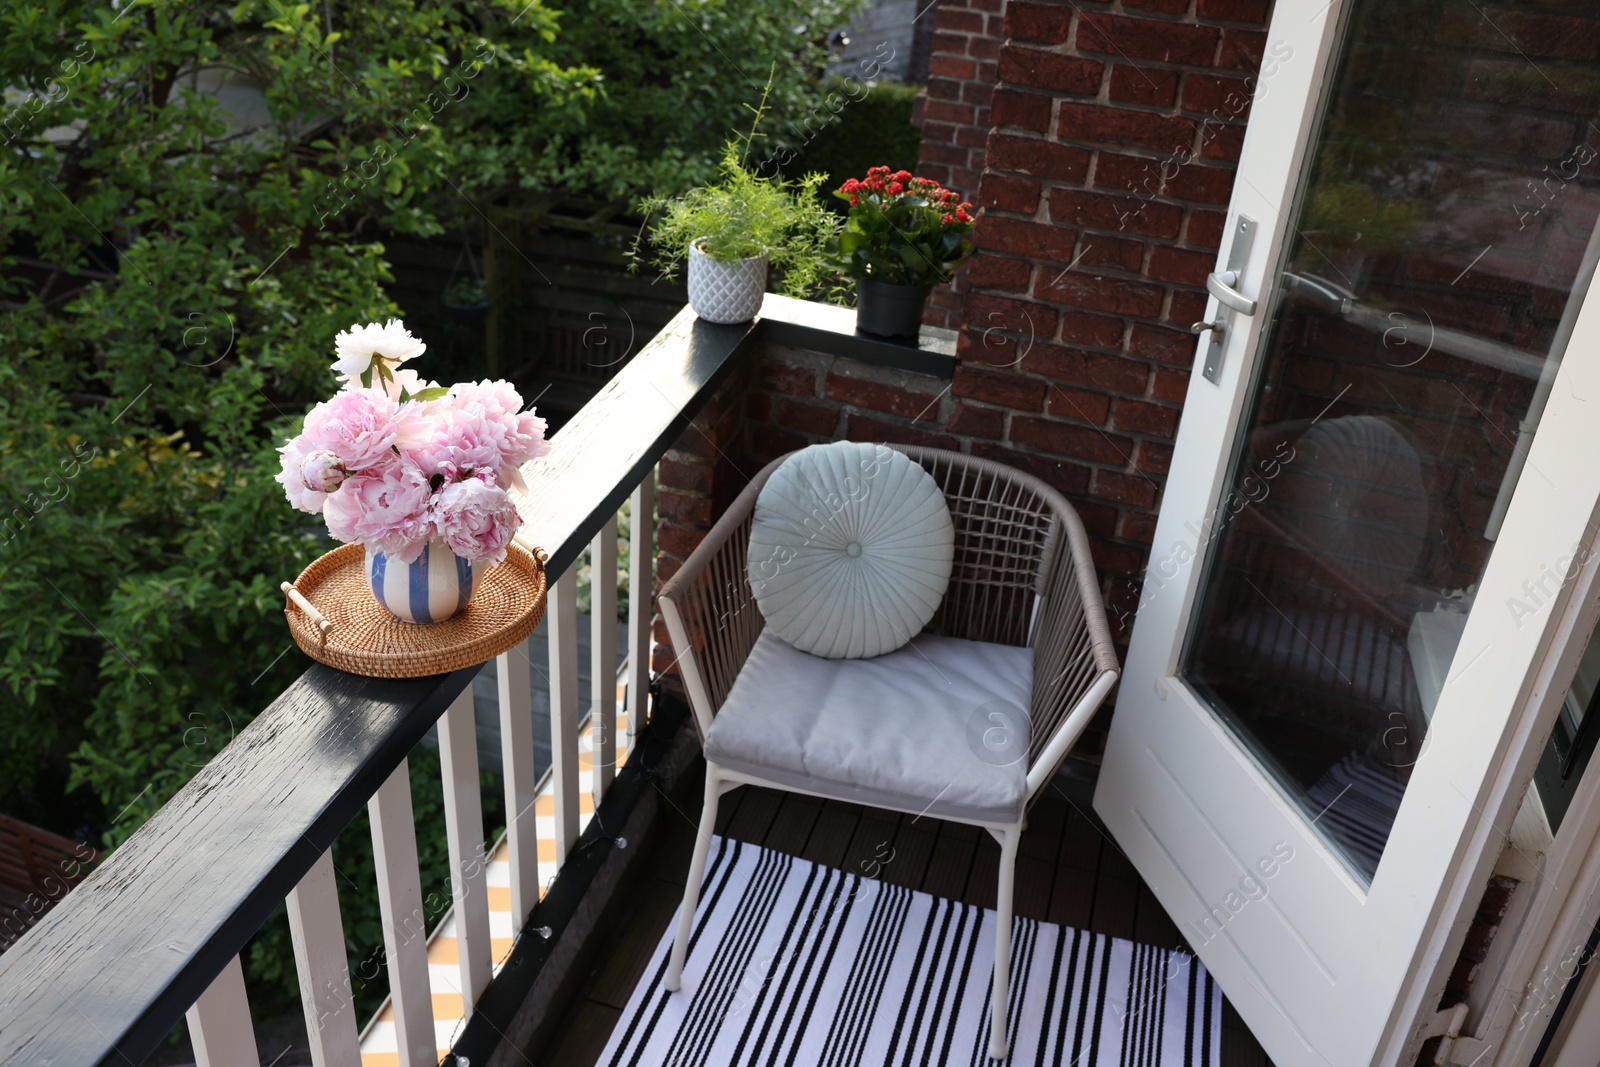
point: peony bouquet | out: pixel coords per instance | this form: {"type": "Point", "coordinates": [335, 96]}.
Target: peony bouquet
{"type": "Point", "coordinates": [393, 462]}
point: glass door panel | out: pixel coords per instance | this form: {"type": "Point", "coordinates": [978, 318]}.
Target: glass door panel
{"type": "Point", "coordinates": [1571, 746]}
{"type": "Point", "coordinates": [1443, 239]}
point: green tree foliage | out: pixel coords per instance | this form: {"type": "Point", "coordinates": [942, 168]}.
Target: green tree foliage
{"type": "Point", "coordinates": [174, 278]}
{"type": "Point", "coordinates": [677, 77]}
{"type": "Point", "coordinates": [193, 201]}
{"type": "Point", "coordinates": [869, 125]}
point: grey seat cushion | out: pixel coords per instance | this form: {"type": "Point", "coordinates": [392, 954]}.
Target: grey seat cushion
{"type": "Point", "coordinates": [940, 725]}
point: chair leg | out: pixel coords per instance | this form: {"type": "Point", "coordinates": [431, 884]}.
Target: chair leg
{"type": "Point", "coordinates": [998, 1045]}
{"type": "Point", "coordinates": [697, 869]}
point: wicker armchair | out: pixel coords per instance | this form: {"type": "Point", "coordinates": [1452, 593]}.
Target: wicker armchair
{"type": "Point", "coordinates": [1022, 576]}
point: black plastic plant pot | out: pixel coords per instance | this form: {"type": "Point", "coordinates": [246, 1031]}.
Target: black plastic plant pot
{"type": "Point", "coordinates": [887, 310]}
{"type": "Point", "coordinates": [466, 312]}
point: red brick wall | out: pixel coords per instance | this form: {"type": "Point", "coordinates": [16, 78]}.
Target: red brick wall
{"type": "Point", "coordinates": [1073, 361]}
{"type": "Point", "coordinates": [800, 398]}
{"type": "Point", "coordinates": [695, 482]}
{"type": "Point", "coordinates": [1116, 130]}
{"type": "Point", "coordinates": [953, 113]}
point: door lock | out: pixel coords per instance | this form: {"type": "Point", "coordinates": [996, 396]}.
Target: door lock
{"type": "Point", "coordinates": [1221, 285]}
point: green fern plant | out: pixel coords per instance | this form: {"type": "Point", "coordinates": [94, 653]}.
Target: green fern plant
{"type": "Point", "coordinates": [740, 216]}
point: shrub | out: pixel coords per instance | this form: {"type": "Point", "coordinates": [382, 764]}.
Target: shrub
{"type": "Point", "coordinates": [872, 126]}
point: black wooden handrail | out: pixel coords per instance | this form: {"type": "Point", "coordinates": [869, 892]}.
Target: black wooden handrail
{"type": "Point", "coordinates": [113, 967]}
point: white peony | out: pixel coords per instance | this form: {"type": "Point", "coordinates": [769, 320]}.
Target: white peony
{"type": "Point", "coordinates": [359, 346]}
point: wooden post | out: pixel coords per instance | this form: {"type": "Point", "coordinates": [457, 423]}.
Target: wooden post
{"type": "Point", "coordinates": [405, 933]}
{"type": "Point", "coordinates": [603, 659]}
{"type": "Point", "coordinates": [563, 615]}
{"type": "Point", "coordinates": [219, 1022]}
{"type": "Point", "coordinates": [521, 780]}
{"type": "Point", "coordinates": [641, 601]}
{"type": "Point", "coordinates": [319, 961]}
{"type": "Point", "coordinates": [495, 285]}
{"type": "Point", "coordinates": [463, 817]}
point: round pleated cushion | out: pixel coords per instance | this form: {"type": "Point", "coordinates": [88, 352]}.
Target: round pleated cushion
{"type": "Point", "coordinates": [1356, 497]}
{"type": "Point", "coordinates": [850, 550]}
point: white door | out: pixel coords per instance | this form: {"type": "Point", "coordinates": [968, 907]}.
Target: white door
{"type": "Point", "coordinates": [1385, 480]}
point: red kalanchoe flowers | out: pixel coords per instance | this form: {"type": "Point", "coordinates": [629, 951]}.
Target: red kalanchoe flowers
{"type": "Point", "coordinates": [885, 187]}
{"type": "Point", "coordinates": [914, 233]}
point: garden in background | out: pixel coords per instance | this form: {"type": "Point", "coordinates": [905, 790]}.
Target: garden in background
{"type": "Point", "coordinates": [196, 199]}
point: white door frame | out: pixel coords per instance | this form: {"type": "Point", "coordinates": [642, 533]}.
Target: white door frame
{"type": "Point", "coordinates": [1558, 898]}
{"type": "Point", "coordinates": [1376, 957]}
{"type": "Point", "coordinates": [1559, 892]}
{"type": "Point", "coordinates": [1563, 889]}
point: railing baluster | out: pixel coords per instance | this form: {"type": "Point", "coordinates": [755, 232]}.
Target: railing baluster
{"type": "Point", "coordinates": [318, 935]}
{"type": "Point", "coordinates": [463, 819]}
{"type": "Point", "coordinates": [405, 933]}
{"type": "Point", "coordinates": [219, 1022]}
{"type": "Point", "coordinates": [603, 659]}
{"type": "Point", "coordinates": [563, 615]}
{"type": "Point", "coordinates": [641, 601]}
{"type": "Point", "coordinates": [512, 673]}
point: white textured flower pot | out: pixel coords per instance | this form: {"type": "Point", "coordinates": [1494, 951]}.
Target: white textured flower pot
{"type": "Point", "coordinates": [431, 589]}
{"type": "Point", "coordinates": [726, 292]}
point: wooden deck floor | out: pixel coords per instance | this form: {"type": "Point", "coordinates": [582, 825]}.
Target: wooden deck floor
{"type": "Point", "coordinates": [1068, 871]}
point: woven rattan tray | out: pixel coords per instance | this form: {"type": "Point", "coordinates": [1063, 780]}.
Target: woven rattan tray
{"type": "Point", "coordinates": [360, 636]}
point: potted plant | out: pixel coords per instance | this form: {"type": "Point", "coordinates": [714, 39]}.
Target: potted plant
{"type": "Point", "coordinates": [467, 300]}
{"type": "Point", "coordinates": [733, 231]}
{"type": "Point", "coordinates": [903, 235]}
{"type": "Point", "coordinates": [416, 473]}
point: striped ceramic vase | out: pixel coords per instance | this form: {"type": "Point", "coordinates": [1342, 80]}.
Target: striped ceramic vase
{"type": "Point", "coordinates": [431, 589]}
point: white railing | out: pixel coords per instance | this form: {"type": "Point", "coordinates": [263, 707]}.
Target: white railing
{"type": "Point", "coordinates": [429, 1000]}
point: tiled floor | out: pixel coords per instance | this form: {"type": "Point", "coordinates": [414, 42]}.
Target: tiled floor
{"type": "Point", "coordinates": [1068, 871]}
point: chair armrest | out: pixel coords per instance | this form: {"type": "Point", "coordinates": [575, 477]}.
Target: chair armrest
{"type": "Point", "coordinates": [1074, 662]}
{"type": "Point", "coordinates": [710, 610]}
{"type": "Point", "coordinates": [1066, 735]}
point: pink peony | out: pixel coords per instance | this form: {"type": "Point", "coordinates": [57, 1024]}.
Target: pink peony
{"type": "Point", "coordinates": [449, 442]}
{"type": "Point", "coordinates": [394, 475]}
{"type": "Point", "coordinates": [388, 511]}
{"type": "Point", "coordinates": [474, 440]}
{"type": "Point", "coordinates": [476, 518]}
{"type": "Point", "coordinates": [300, 495]}
{"type": "Point", "coordinates": [495, 398]}
{"type": "Point", "coordinates": [356, 425]}
{"type": "Point", "coordinates": [527, 443]}
{"type": "Point", "coordinates": [322, 472]}
{"type": "Point", "coordinates": [519, 436]}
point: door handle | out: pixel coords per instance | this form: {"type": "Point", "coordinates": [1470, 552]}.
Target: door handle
{"type": "Point", "coordinates": [1220, 284]}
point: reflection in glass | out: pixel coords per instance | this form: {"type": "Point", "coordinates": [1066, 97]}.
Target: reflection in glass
{"type": "Point", "coordinates": [1566, 756]}
{"type": "Point", "coordinates": [1442, 244]}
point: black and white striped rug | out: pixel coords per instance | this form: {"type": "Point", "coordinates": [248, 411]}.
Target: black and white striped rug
{"type": "Point", "coordinates": [795, 963]}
